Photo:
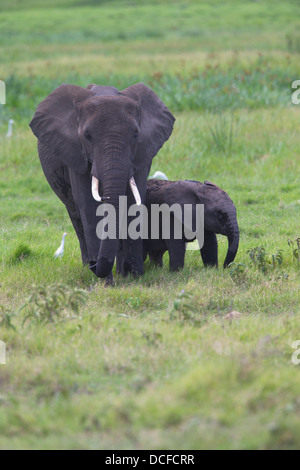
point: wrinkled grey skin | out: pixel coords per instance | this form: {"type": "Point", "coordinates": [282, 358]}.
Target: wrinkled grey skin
{"type": "Point", "coordinates": [219, 217]}
{"type": "Point", "coordinates": [111, 135]}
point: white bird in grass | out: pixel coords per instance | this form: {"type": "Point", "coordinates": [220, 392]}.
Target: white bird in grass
{"type": "Point", "coordinates": [159, 175]}
{"type": "Point", "coordinates": [9, 131]}
{"type": "Point", "coordinates": [60, 251]}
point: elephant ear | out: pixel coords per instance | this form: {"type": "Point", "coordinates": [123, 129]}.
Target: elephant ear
{"type": "Point", "coordinates": [55, 125]}
{"type": "Point", "coordinates": [156, 121]}
{"type": "Point", "coordinates": [212, 185]}
{"type": "Point", "coordinates": [183, 192]}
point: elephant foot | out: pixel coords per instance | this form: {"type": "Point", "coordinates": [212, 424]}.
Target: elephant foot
{"type": "Point", "coordinates": [176, 268]}
{"type": "Point", "coordinates": [109, 281]}
{"type": "Point", "coordinates": [156, 258]}
{"type": "Point", "coordinates": [131, 269]}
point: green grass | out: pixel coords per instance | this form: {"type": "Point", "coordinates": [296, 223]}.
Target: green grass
{"type": "Point", "coordinates": [129, 370]}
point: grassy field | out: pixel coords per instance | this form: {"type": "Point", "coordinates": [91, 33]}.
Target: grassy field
{"type": "Point", "coordinates": [144, 364]}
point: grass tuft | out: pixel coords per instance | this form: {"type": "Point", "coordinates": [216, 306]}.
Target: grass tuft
{"type": "Point", "coordinates": [20, 253]}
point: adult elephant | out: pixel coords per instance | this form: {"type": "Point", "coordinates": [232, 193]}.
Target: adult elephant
{"type": "Point", "coordinates": [95, 144]}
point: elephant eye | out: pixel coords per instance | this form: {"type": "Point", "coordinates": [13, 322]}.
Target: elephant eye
{"type": "Point", "coordinates": [222, 217]}
{"type": "Point", "coordinates": [87, 135]}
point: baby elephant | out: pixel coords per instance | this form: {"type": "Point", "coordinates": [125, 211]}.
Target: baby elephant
{"type": "Point", "coordinates": [219, 217]}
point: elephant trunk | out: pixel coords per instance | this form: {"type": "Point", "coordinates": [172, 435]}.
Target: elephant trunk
{"type": "Point", "coordinates": [114, 183]}
{"type": "Point", "coordinates": [108, 246]}
{"type": "Point", "coordinates": [233, 242]}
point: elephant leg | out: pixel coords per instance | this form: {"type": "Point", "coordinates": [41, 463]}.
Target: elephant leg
{"type": "Point", "coordinates": [131, 259]}
{"type": "Point", "coordinates": [156, 250]}
{"type": "Point", "coordinates": [86, 208]}
{"type": "Point", "coordinates": [109, 281]}
{"type": "Point", "coordinates": [156, 257]}
{"type": "Point", "coordinates": [59, 181]}
{"type": "Point", "coordinates": [77, 224]}
{"type": "Point", "coordinates": [120, 260]}
{"type": "Point", "coordinates": [145, 254]}
{"type": "Point", "coordinates": [176, 253]}
{"type": "Point", "coordinates": [133, 250]}
{"type": "Point", "coordinates": [131, 266]}
{"type": "Point", "coordinates": [209, 251]}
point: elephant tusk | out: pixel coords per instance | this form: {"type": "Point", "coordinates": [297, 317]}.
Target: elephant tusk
{"type": "Point", "coordinates": [135, 191]}
{"type": "Point", "coordinates": [95, 189]}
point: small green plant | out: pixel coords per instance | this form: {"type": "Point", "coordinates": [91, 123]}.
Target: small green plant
{"type": "Point", "coordinates": [238, 272]}
{"type": "Point", "coordinates": [185, 309]}
{"type": "Point", "coordinates": [133, 302]}
{"type": "Point", "coordinates": [49, 304]}
{"type": "Point", "coordinates": [262, 260]}
{"type": "Point", "coordinates": [6, 316]}
{"type": "Point", "coordinates": [282, 276]}
{"type": "Point", "coordinates": [295, 246]}
{"type": "Point", "coordinates": [258, 257]}
{"type": "Point", "coordinates": [276, 258]}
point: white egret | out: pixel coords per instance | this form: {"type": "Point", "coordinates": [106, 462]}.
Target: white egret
{"type": "Point", "coordinates": [9, 131]}
{"type": "Point", "coordinates": [60, 251]}
{"type": "Point", "coordinates": [159, 175]}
